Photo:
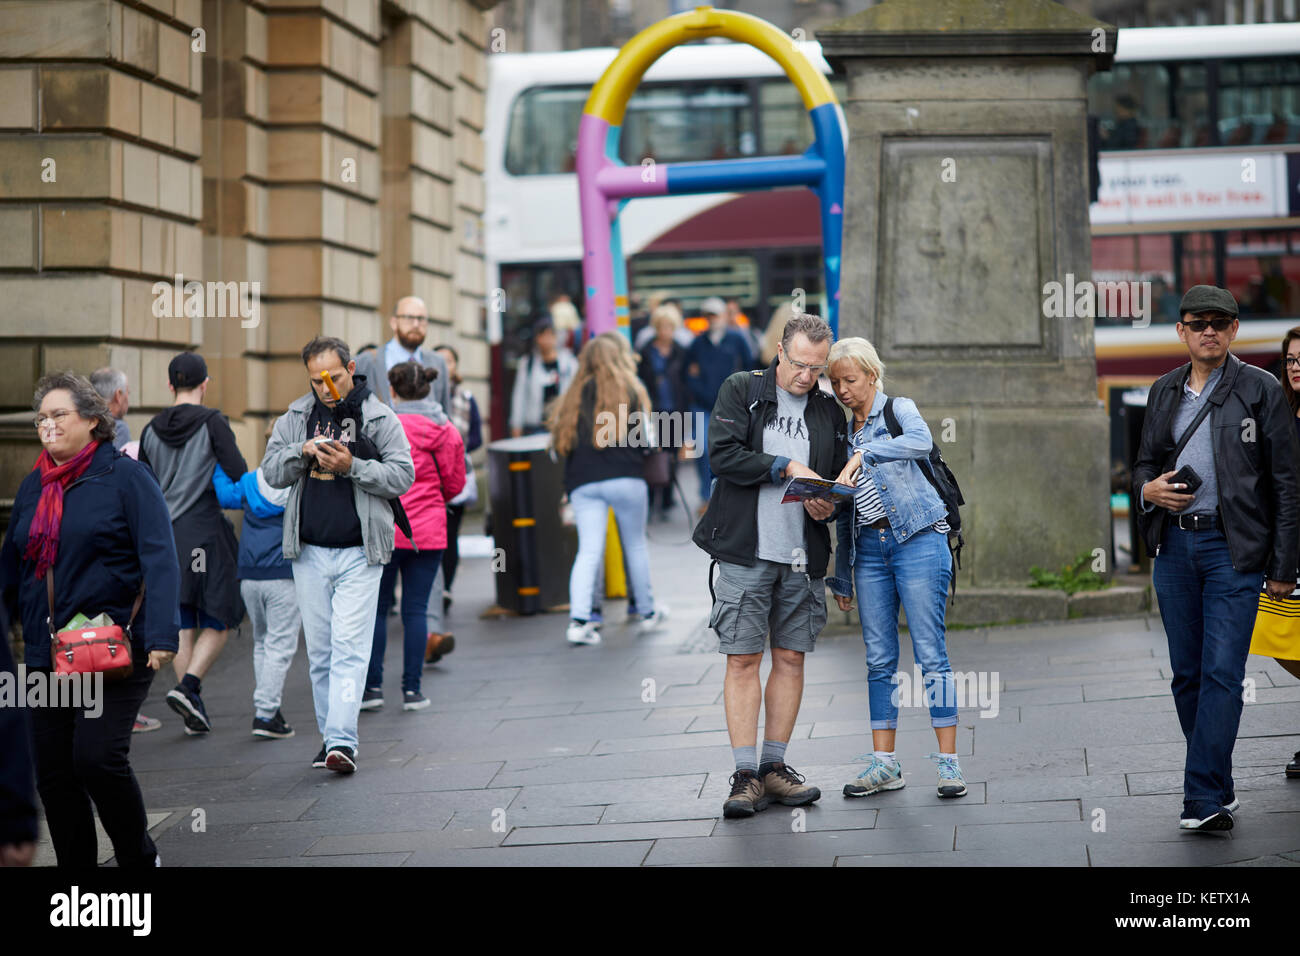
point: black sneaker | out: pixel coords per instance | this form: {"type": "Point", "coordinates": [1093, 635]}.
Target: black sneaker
{"type": "Point", "coordinates": [272, 727]}
{"type": "Point", "coordinates": [1293, 768]}
{"type": "Point", "coordinates": [372, 698]}
{"type": "Point", "coordinates": [318, 761]}
{"type": "Point", "coordinates": [341, 760]}
{"type": "Point", "coordinates": [1214, 819]}
{"type": "Point", "coordinates": [414, 700]}
{"type": "Point", "coordinates": [189, 706]}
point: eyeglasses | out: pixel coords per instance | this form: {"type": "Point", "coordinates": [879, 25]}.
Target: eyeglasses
{"type": "Point", "coordinates": [807, 368]}
{"type": "Point", "coordinates": [1292, 361]}
{"type": "Point", "coordinates": [412, 318]}
{"type": "Point", "coordinates": [1220, 324]}
{"type": "Point", "coordinates": [57, 418]}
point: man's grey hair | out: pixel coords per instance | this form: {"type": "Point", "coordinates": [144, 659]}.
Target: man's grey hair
{"type": "Point", "coordinates": [814, 328]}
{"type": "Point", "coordinates": [107, 381]}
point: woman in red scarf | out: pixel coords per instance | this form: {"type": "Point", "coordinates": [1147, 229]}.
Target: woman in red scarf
{"type": "Point", "coordinates": [98, 523]}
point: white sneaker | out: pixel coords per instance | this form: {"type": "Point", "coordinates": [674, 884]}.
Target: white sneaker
{"type": "Point", "coordinates": [588, 633]}
{"type": "Point", "coordinates": [652, 622]}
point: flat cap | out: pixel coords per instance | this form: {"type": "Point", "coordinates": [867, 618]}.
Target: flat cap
{"type": "Point", "coordinates": [1208, 298]}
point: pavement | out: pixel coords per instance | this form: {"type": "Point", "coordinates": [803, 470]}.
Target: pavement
{"type": "Point", "coordinates": [535, 752]}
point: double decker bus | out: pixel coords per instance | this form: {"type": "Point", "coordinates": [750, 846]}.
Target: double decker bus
{"type": "Point", "coordinates": [1198, 131]}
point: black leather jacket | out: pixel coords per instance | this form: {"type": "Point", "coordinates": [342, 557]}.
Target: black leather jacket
{"type": "Point", "coordinates": [1259, 479]}
{"type": "Point", "coordinates": [729, 529]}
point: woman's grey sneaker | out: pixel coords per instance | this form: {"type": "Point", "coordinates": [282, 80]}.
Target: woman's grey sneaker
{"type": "Point", "coordinates": [579, 633]}
{"type": "Point", "coordinates": [341, 760]}
{"type": "Point", "coordinates": [951, 782]}
{"type": "Point", "coordinates": [273, 726]}
{"type": "Point", "coordinates": [319, 760]}
{"type": "Point", "coordinates": [190, 708]}
{"type": "Point", "coordinates": [653, 621]}
{"type": "Point", "coordinates": [785, 786]}
{"type": "Point", "coordinates": [414, 700]}
{"type": "Point", "coordinates": [877, 777]}
{"type": "Point", "coordinates": [372, 698]}
{"type": "Point", "coordinates": [747, 795]}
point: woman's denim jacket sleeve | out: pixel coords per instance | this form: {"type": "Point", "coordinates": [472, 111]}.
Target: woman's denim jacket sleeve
{"type": "Point", "coordinates": [894, 463]}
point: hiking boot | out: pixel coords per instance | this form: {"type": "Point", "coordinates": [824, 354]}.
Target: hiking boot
{"type": "Point", "coordinates": [580, 633]}
{"type": "Point", "coordinates": [747, 796]}
{"type": "Point", "coordinates": [877, 777]}
{"type": "Point", "coordinates": [372, 698]}
{"type": "Point", "coordinates": [145, 724]}
{"type": "Point", "coordinates": [438, 645]}
{"type": "Point", "coordinates": [785, 786]}
{"type": "Point", "coordinates": [951, 782]}
{"type": "Point", "coordinates": [273, 726]}
{"type": "Point", "coordinates": [189, 706]}
{"type": "Point", "coordinates": [1293, 768]}
{"type": "Point", "coordinates": [341, 760]}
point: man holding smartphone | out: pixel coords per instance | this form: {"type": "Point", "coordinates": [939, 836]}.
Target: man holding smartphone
{"type": "Point", "coordinates": [1219, 487]}
{"type": "Point", "coordinates": [343, 455]}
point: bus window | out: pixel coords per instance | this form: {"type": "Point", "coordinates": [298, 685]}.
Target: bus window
{"type": "Point", "coordinates": [784, 122]}
{"type": "Point", "coordinates": [1191, 108]}
{"type": "Point", "coordinates": [1263, 271]}
{"type": "Point", "coordinates": [1138, 258]}
{"type": "Point", "coordinates": [685, 122]}
{"type": "Point", "coordinates": [1197, 260]}
{"type": "Point", "coordinates": [1259, 102]}
{"type": "Point", "coordinates": [1133, 106]}
{"type": "Point", "coordinates": [543, 132]}
{"type": "Point", "coordinates": [693, 277]}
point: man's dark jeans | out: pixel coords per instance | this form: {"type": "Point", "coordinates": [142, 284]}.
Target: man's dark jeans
{"type": "Point", "coordinates": [1208, 610]}
{"type": "Point", "coordinates": [80, 759]}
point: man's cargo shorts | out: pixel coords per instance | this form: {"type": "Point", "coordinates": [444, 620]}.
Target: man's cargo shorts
{"type": "Point", "coordinates": [748, 602]}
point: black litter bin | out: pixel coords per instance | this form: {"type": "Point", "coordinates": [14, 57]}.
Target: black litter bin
{"type": "Point", "coordinates": [525, 485]}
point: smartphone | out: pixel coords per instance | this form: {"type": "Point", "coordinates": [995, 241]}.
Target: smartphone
{"type": "Point", "coordinates": [1186, 475]}
{"type": "Point", "coordinates": [323, 441]}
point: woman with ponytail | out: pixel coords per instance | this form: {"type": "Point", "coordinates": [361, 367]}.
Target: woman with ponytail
{"type": "Point", "coordinates": [439, 457]}
{"type": "Point", "coordinates": [95, 520]}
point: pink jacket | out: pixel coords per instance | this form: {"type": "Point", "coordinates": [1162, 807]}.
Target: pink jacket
{"type": "Point", "coordinates": [439, 456]}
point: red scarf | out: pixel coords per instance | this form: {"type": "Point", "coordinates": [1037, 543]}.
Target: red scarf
{"type": "Point", "coordinates": [43, 536]}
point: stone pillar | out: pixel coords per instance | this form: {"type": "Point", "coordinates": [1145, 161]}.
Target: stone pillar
{"type": "Point", "coordinates": [100, 191]}
{"type": "Point", "coordinates": [967, 192]}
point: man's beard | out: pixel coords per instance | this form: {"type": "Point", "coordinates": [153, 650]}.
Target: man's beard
{"type": "Point", "coordinates": [411, 340]}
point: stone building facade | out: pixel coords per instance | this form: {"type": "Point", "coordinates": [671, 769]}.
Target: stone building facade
{"type": "Point", "coordinates": [329, 151]}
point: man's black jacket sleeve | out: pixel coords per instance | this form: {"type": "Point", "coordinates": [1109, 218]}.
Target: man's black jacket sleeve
{"type": "Point", "coordinates": [730, 456]}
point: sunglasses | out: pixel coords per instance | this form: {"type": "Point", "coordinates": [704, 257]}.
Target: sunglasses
{"type": "Point", "coordinates": [1220, 324]}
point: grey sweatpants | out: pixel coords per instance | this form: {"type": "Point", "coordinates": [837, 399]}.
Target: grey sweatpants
{"type": "Point", "coordinates": [273, 609]}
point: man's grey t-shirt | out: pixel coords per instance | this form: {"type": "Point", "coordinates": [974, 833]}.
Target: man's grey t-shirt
{"type": "Point", "coordinates": [780, 527]}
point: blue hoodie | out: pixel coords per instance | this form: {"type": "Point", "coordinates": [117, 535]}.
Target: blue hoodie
{"type": "Point", "coordinates": [261, 555]}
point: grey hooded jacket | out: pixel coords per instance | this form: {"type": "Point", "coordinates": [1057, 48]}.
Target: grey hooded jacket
{"type": "Point", "coordinates": [373, 481]}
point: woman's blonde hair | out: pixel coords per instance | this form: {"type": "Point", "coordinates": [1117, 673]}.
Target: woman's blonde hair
{"type": "Point", "coordinates": [863, 353]}
{"type": "Point", "coordinates": [666, 313]}
{"type": "Point", "coordinates": [606, 359]}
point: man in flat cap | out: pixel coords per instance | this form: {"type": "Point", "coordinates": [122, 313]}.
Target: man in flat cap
{"type": "Point", "coordinates": [1219, 488]}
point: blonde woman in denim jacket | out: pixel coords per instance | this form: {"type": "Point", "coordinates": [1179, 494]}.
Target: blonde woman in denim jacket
{"type": "Point", "coordinates": [893, 545]}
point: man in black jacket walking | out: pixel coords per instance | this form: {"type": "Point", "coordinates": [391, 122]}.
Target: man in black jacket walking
{"type": "Point", "coordinates": [772, 557]}
{"type": "Point", "coordinates": [1219, 487]}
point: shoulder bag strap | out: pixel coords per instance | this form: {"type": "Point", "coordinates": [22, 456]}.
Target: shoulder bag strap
{"type": "Point", "coordinates": [1191, 429]}
{"type": "Point", "coordinates": [49, 599]}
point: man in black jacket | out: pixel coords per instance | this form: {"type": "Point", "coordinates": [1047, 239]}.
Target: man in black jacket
{"type": "Point", "coordinates": [1222, 518]}
{"type": "Point", "coordinates": [772, 557]}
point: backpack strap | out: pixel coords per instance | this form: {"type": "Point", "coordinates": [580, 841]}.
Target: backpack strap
{"type": "Point", "coordinates": [755, 388]}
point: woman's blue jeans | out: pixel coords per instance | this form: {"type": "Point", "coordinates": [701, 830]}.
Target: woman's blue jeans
{"type": "Point", "coordinates": [918, 572]}
{"type": "Point", "coordinates": [629, 497]}
{"type": "Point", "coordinates": [418, 571]}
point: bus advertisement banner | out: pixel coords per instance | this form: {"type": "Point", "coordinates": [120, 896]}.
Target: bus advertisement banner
{"type": "Point", "coordinates": [1145, 189]}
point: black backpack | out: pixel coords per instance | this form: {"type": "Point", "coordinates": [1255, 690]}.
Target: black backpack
{"type": "Point", "coordinates": [938, 473]}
